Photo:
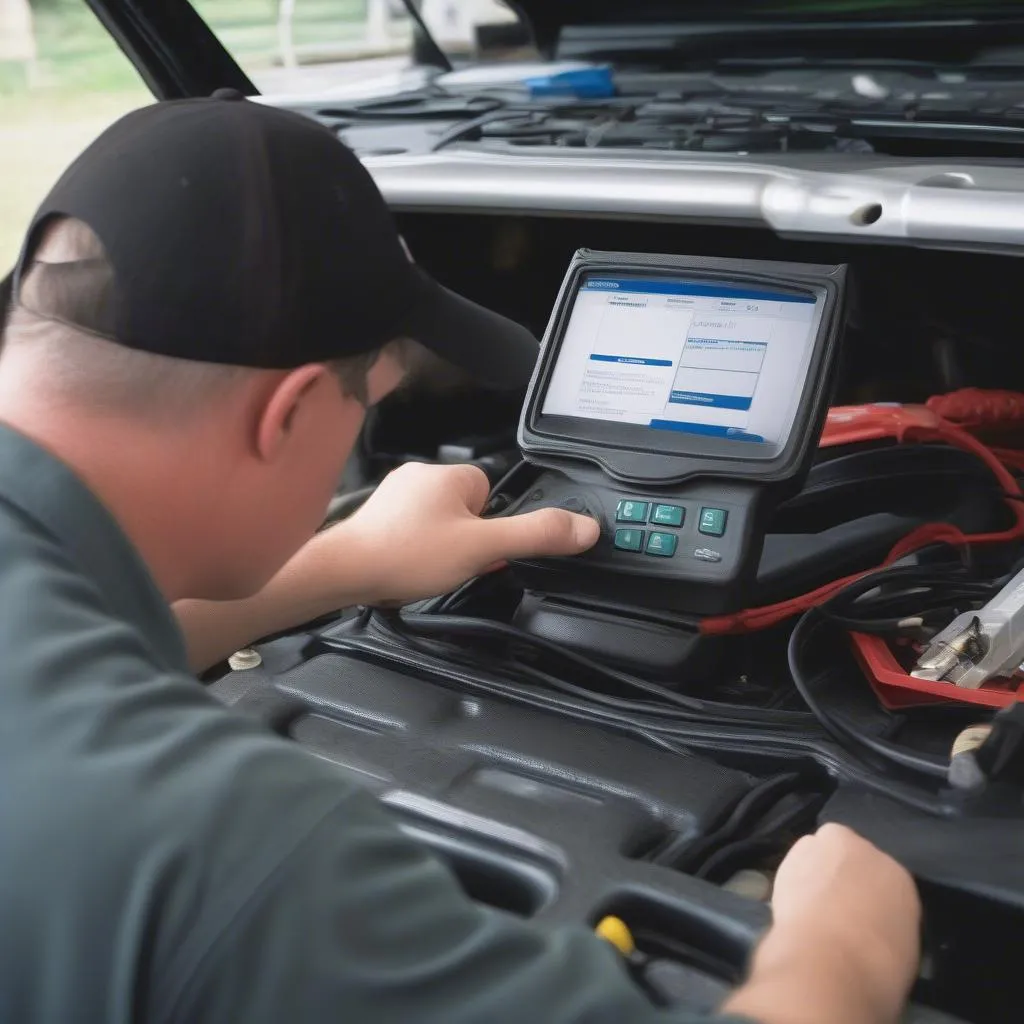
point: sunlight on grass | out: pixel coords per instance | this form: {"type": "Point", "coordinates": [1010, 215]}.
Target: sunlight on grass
{"type": "Point", "coordinates": [82, 82]}
{"type": "Point", "coordinates": [39, 136]}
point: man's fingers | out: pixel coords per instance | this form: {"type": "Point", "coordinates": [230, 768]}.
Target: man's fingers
{"type": "Point", "coordinates": [548, 531]}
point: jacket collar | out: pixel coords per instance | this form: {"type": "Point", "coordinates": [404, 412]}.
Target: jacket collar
{"type": "Point", "coordinates": [48, 492]}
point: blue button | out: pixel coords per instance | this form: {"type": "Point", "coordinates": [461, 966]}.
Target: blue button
{"type": "Point", "coordinates": [712, 521]}
{"type": "Point", "coordinates": [629, 540]}
{"type": "Point", "coordinates": [631, 511]}
{"type": "Point", "coordinates": [662, 544]}
{"type": "Point", "coordinates": [668, 515]}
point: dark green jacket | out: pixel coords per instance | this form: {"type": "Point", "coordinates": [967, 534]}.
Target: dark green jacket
{"type": "Point", "coordinates": [163, 859]}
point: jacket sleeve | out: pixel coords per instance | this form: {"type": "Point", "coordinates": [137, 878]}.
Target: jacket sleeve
{"type": "Point", "coordinates": [361, 923]}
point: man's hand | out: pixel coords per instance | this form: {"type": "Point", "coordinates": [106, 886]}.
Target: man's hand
{"type": "Point", "coordinates": [422, 534]}
{"type": "Point", "coordinates": [419, 535]}
{"type": "Point", "coordinates": [845, 943]}
{"type": "Point", "coordinates": [837, 884]}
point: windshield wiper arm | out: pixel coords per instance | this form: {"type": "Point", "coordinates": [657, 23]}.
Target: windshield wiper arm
{"type": "Point", "coordinates": [435, 55]}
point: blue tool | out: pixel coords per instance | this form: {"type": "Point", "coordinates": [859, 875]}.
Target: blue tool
{"type": "Point", "coordinates": [582, 83]}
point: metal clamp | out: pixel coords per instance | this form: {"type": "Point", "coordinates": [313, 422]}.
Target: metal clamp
{"type": "Point", "coordinates": [981, 645]}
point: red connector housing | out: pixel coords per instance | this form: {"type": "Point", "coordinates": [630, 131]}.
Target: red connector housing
{"type": "Point", "coordinates": [896, 689]}
{"type": "Point", "coordinates": [952, 419]}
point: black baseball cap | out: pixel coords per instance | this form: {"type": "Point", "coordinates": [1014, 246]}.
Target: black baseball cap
{"type": "Point", "coordinates": [243, 234]}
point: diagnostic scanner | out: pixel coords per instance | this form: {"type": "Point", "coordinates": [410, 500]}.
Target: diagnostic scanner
{"type": "Point", "coordinates": [677, 400]}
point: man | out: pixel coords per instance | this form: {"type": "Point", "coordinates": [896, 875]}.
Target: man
{"type": "Point", "coordinates": [204, 307]}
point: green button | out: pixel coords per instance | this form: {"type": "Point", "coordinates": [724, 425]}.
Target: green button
{"type": "Point", "coordinates": [629, 540]}
{"type": "Point", "coordinates": [667, 515]}
{"type": "Point", "coordinates": [631, 511]}
{"type": "Point", "coordinates": [662, 544]}
{"type": "Point", "coordinates": [712, 521]}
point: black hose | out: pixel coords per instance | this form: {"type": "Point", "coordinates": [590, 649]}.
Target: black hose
{"type": "Point", "coordinates": [771, 837]}
{"type": "Point", "coordinates": [841, 731]}
{"type": "Point", "coordinates": [485, 628]}
{"type": "Point", "coordinates": [684, 853]}
{"type": "Point", "coordinates": [451, 652]}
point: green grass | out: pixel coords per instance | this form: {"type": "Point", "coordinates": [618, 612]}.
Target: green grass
{"type": "Point", "coordinates": [75, 51]}
{"type": "Point", "coordinates": [39, 136]}
{"type": "Point", "coordinates": [83, 82]}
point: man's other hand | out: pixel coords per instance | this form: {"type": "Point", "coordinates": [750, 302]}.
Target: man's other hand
{"type": "Point", "coordinates": [845, 942]}
{"type": "Point", "coordinates": [837, 883]}
{"type": "Point", "coordinates": [422, 534]}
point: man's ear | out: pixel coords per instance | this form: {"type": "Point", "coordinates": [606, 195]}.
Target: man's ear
{"type": "Point", "coordinates": [283, 406]}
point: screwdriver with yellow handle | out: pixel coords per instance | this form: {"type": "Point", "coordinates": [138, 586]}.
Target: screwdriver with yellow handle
{"type": "Point", "coordinates": [616, 932]}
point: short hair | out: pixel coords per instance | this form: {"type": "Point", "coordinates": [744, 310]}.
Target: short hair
{"type": "Point", "coordinates": [69, 282]}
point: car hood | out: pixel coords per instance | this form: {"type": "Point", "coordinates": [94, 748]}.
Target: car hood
{"type": "Point", "coordinates": [548, 18]}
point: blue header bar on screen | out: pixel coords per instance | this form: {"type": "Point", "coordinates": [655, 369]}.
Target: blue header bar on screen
{"type": "Point", "coordinates": [666, 287]}
{"type": "Point", "coordinates": [597, 357]}
{"type": "Point", "coordinates": [706, 430]}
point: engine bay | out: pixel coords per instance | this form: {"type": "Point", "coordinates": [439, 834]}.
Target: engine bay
{"type": "Point", "coordinates": [573, 759]}
{"type": "Point", "coordinates": [763, 104]}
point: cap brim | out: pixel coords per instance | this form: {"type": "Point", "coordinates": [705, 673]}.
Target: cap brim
{"type": "Point", "coordinates": [497, 351]}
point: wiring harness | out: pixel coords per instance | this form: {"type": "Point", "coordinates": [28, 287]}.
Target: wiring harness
{"type": "Point", "coordinates": [930, 576]}
{"type": "Point", "coordinates": [492, 658]}
{"type": "Point", "coordinates": [898, 603]}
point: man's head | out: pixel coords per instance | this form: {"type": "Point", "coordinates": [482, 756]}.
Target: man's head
{"type": "Point", "coordinates": [259, 451]}
{"type": "Point", "coordinates": [215, 292]}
